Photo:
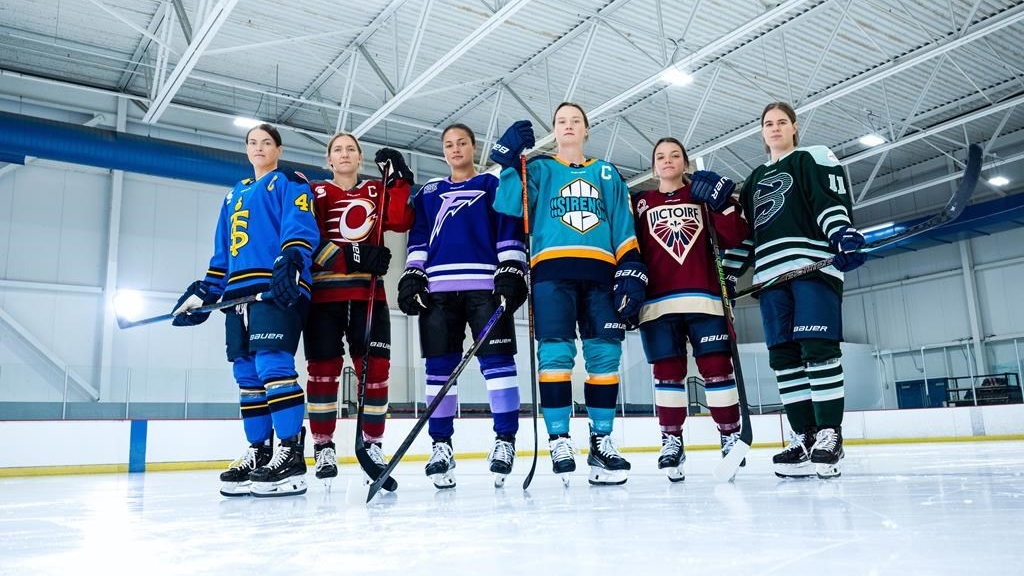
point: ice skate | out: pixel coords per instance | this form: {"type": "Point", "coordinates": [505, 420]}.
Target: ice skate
{"type": "Point", "coordinates": [827, 452]}
{"type": "Point", "coordinates": [441, 465]}
{"type": "Point", "coordinates": [285, 474]}
{"type": "Point", "coordinates": [607, 466]}
{"type": "Point", "coordinates": [672, 457]}
{"type": "Point", "coordinates": [563, 458]}
{"type": "Point", "coordinates": [376, 453]}
{"type": "Point", "coordinates": [236, 478]}
{"type": "Point", "coordinates": [728, 441]}
{"type": "Point", "coordinates": [326, 459]}
{"type": "Point", "coordinates": [795, 460]}
{"type": "Point", "coordinates": [501, 458]}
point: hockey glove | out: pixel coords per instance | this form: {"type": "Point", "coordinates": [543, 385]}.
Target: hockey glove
{"type": "Point", "coordinates": [845, 242]}
{"type": "Point", "coordinates": [712, 189]}
{"type": "Point", "coordinates": [413, 296]}
{"type": "Point", "coordinates": [516, 139]}
{"type": "Point", "coordinates": [284, 282]}
{"type": "Point", "coordinates": [197, 294]}
{"type": "Point", "coordinates": [392, 165]}
{"type": "Point", "coordinates": [510, 282]}
{"type": "Point", "coordinates": [365, 257]}
{"type": "Point", "coordinates": [629, 289]}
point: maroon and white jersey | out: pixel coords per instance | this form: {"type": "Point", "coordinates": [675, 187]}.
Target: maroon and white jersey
{"type": "Point", "coordinates": [346, 216]}
{"type": "Point", "coordinates": [677, 251]}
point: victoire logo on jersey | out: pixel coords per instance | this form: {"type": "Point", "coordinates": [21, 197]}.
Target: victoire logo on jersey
{"type": "Point", "coordinates": [579, 206]}
{"type": "Point", "coordinates": [674, 226]}
{"type": "Point", "coordinates": [770, 197]}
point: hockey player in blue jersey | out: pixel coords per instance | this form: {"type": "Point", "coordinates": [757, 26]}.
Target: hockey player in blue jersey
{"type": "Point", "coordinates": [587, 274]}
{"type": "Point", "coordinates": [263, 244]}
{"type": "Point", "coordinates": [464, 257]}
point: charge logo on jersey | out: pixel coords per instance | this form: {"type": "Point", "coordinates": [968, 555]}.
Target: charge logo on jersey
{"type": "Point", "coordinates": [239, 225]}
{"type": "Point", "coordinates": [770, 197]}
{"type": "Point", "coordinates": [579, 206]}
{"type": "Point", "coordinates": [352, 219]}
{"type": "Point", "coordinates": [453, 202]}
{"type": "Point", "coordinates": [674, 227]}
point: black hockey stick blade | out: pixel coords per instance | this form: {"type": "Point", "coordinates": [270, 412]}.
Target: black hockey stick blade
{"type": "Point", "coordinates": [126, 323]}
{"type": "Point", "coordinates": [385, 475]}
{"type": "Point", "coordinates": [951, 211]}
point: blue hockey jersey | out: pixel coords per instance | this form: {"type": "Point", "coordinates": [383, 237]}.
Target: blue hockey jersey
{"type": "Point", "coordinates": [259, 219]}
{"type": "Point", "coordinates": [581, 223]}
{"type": "Point", "coordinates": [458, 239]}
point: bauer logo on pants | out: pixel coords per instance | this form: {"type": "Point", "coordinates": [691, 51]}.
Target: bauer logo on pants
{"type": "Point", "coordinates": [579, 206]}
{"type": "Point", "coordinates": [675, 226]}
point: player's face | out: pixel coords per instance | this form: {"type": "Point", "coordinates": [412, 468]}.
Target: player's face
{"type": "Point", "coordinates": [570, 128]}
{"type": "Point", "coordinates": [458, 149]}
{"type": "Point", "coordinates": [263, 152]}
{"type": "Point", "coordinates": [669, 162]}
{"type": "Point", "coordinates": [344, 157]}
{"type": "Point", "coordinates": [778, 131]}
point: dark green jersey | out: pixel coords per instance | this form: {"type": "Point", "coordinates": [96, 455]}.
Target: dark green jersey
{"type": "Point", "coordinates": [794, 205]}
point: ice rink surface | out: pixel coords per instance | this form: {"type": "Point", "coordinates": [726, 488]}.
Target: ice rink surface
{"type": "Point", "coordinates": [955, 508]}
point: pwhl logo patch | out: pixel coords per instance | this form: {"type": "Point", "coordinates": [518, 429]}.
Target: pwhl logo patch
{"type": "Point", "coordinates": [675, 227]}
{"type": "Point", "coordinates": [579, 206]}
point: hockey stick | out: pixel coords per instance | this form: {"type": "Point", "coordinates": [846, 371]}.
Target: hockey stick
{"type": "Point", "coordinates": [125, 323]}
{"type": "Point", "coordinates": [956, 205]}
{"type": "Point", "coordinates": [529, 316]}
{"type": "Point", "coordinates": [422, 421]}
{"type": "Point", "coordinates": [362, 455]}
{"type": "Point", "coordinates": [726, 469]}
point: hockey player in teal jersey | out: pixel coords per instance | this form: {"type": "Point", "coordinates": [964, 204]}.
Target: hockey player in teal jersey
{"type": "Point", "coordinates": [586, 273]}
{"type": "Point", "coordinates": [798, 205]}
{"type": "Point", "coordinates": [263, 244]}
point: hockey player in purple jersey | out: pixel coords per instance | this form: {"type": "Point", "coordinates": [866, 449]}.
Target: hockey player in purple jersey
{"type": "Point", "coordinates": [264, 241]}
{"type": "Point", "coordinates": [798, 205]}
{"type": "Point", "coordinates": [463, 258]}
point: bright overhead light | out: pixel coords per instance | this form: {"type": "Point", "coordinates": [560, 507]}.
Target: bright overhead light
{"type": "Point", "coordinates": [246, 122]}
{"type": "Point", "coordinates": [999, 180]}
{"type": "Point", "coordinates": [128, 304]}
{"type": "Point", "coordinates": [676, 77]}
{"type": "Point", "coordinates": [870, 140]}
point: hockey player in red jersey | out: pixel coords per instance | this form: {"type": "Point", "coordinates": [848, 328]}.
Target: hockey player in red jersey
{"type": "Point", "coordinates": [683, 295]}
{"type": "Point", "coordinates": [349, 212]}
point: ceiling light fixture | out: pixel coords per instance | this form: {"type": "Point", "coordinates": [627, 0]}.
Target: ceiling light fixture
{"type": "Point", "coordinates": [999, 180]}
{"type": "Point", "coordinates": [247, 122]}
{"type": "Point", "coordinates": [870, 140]}
{"type": "Point", "coordinates": [676, 77]}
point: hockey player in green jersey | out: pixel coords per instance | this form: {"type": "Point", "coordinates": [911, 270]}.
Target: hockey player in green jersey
{"type": "Point", "coordinates": [798, 205]}
{"type": "Point", "coordinates": [586, 273]}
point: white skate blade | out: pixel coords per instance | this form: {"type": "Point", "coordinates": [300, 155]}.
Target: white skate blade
{"type": "Point", "coordinates": [291, 486]}
{"type": "Point", "coordinates": [235, 489]}
{"type": "Point", "coordinates": [443, 481]}
{"type": "Point", "coordinates": [826, 471]}
{"type": "Point", "coordinates": [499, 480]}
{"type": "Point", "coordinates": [601, 477]}
{"type": "Point", "coordinates": [802, 470]}
{"type": "Point", "coordinates": [356, 493]}
{"type": "Point", "coordinates": [565, 477]}
{"type": "Point", "coordinates": [726, 469]}
{"type": "Point", "coordinates": [675, 474]}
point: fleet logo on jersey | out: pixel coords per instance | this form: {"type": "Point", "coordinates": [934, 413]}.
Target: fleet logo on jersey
{"type": "Point", "coordinates": [453, 202]}
{"type": "Point", "coordinates": [674, 226]}
{"type": "Point", "coordinates": [352, 219]}
{"type": "Point", "coordinates": [770, 197]}
{"type": "Point", "coordinates": [579, 206]}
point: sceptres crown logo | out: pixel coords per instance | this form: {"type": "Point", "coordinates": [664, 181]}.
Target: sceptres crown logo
{"type": "Point", "coordinates": [674, 227]}
{"type": "Point", "coordinates": [579, 206]}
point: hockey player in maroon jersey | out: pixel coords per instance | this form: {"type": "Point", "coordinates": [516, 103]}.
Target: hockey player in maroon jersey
{"type": "Point", "coordinates": [349, 212]}
{"type": "Point", "coordinates": [683, 295]}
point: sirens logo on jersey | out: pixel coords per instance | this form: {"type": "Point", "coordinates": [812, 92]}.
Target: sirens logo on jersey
{"type": "Point", "coordinates": [579, 206]}
{"type": "Point", "coordinates": [352, 219]}
{"type": "Point", "coordinates": [674, 226]}
{"type": "Point", "coordinates": [454, 201]}
{"type": "Point", "coordinates": [770, 197]}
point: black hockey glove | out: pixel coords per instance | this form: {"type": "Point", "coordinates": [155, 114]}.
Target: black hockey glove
{"type": "Point", "coordinates": [510, 282]}
{"type": "Point", "coordinates": [845, 241]}
{"type": "Point", "coordinates": [630, 289]}
{"type": "Point", "coordinates": [413, 296]}
{"type": "Point", "coordinates": [284, 282]}
{"type": "Point", "coordinates": [365, 257]}
{"type": "Point", "coordinates": [516, 139]}
{"type": "Point", "coordinates": [712, 189]}
{"type": "Point", "coordinates": [392, 166]}
{"type": "Point", "coordinates": [197, 294]}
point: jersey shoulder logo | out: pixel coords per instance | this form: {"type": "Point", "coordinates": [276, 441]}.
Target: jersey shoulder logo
{"type": "Point", "coordinates": [674, 227]}
{"type": "Point", "coordinates": [579, 206]}
{"type": "Point", "coordinates": [770, 198]}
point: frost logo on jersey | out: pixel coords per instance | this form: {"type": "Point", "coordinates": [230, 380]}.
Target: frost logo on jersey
{"type": "Point", "coordinates": [674, 227]}
{"type": "Point", "coordinates": [355, 218]}
{"type": "Point", "coordinates": [239, 225]}
{"type": "Point", "coordinates": [453, 202]}
{"type": "Point", "coordinates": [579, 206]}
{"type": "Point", "coordinates": [770, 197]}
